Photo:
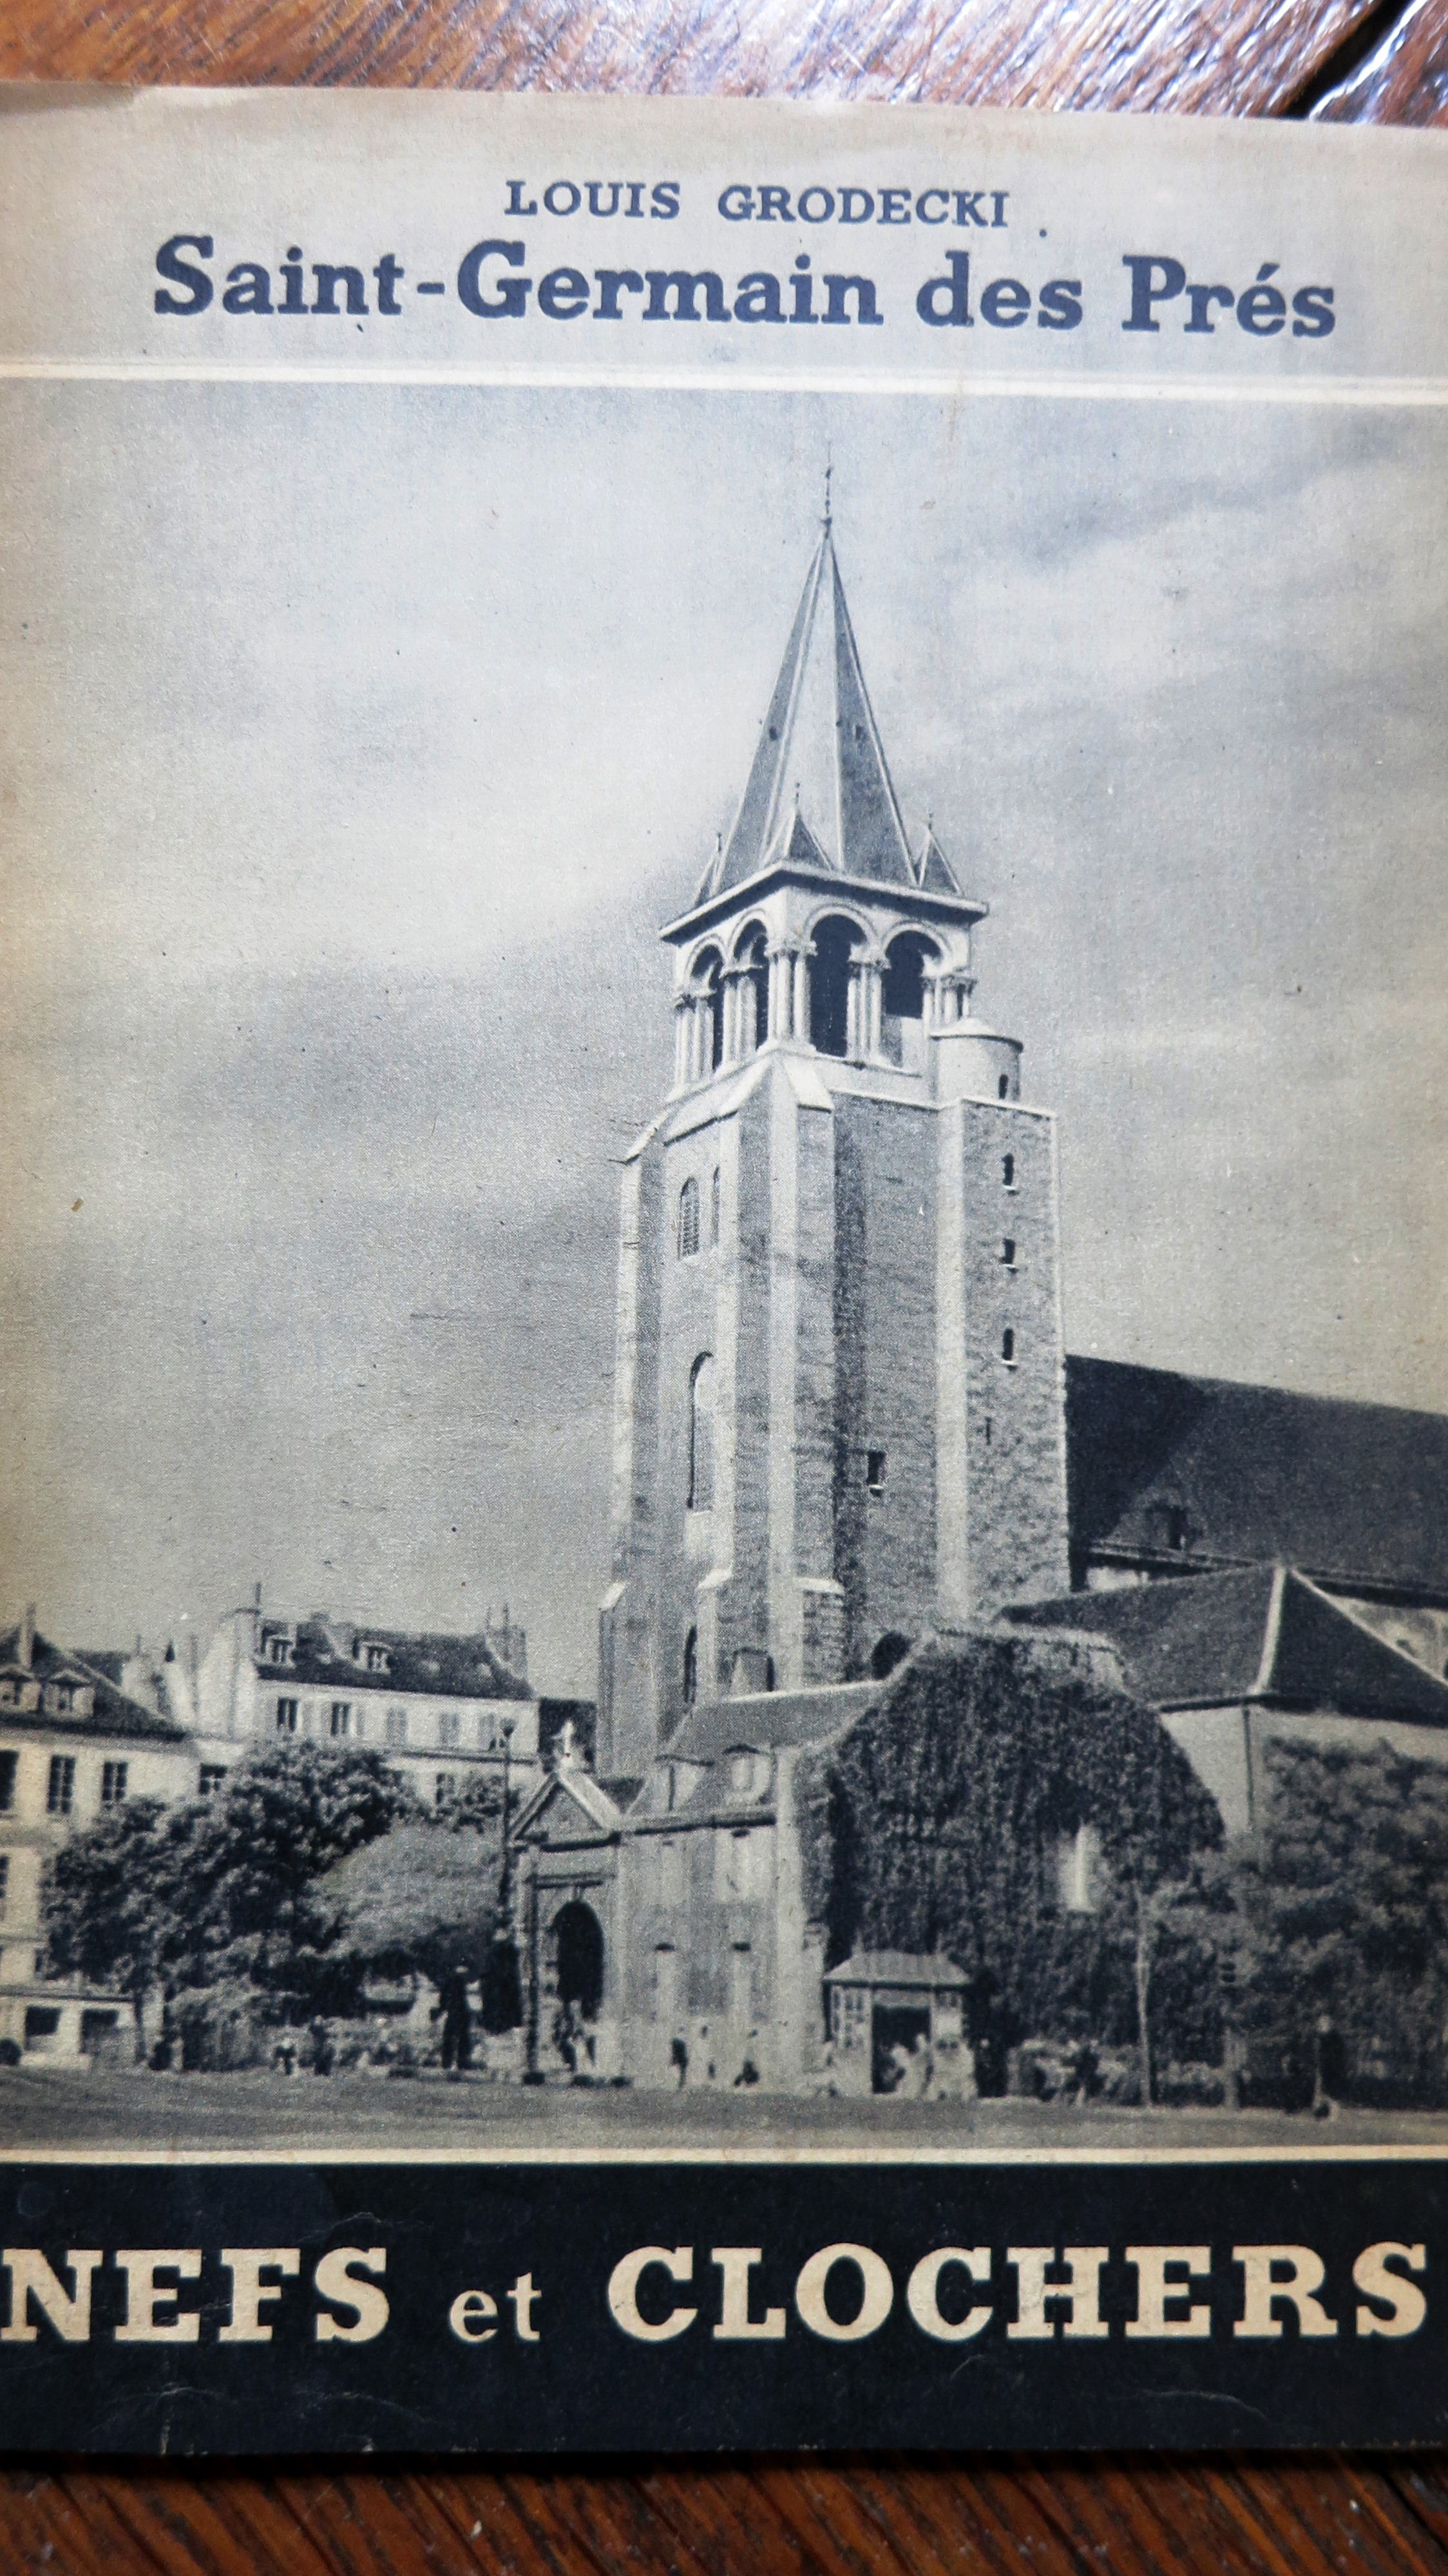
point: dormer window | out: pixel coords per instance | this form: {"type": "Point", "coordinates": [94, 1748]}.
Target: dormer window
{"type": "Point", "coordinates": [279, 1650]}
{"type": "Point", "coordinates": [376, 1659]}
{"type": "Point", "coordinates": [745, 1766]}
{"type": "Point", "coordinates": [62, 1697]}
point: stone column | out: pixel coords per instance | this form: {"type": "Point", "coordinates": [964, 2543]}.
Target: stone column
{"type": "Point", "coordinates": [683, 1016]}
{"type": "Point", "coordinates": [801, 996]}
{"type": "Point", "coordinates": [872, 983]}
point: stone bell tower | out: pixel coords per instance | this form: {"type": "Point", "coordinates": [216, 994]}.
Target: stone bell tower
{"type": "Point", "coordinates": [839, 1393]}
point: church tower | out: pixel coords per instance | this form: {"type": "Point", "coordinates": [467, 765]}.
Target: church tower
{"type": "Point", "coordinates": [839, 1393]}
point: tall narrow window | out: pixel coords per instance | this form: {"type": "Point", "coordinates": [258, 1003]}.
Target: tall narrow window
{"type": "Point", "coordinates": [1008, 1251]}
{"type": "Point", "coordinates": [701, 1434]}
{"type": "Point", "coordinates": [397, 1726]}
{"type": "Point", "coordinates": [114, 1776]}
{"type": "Point", "coordinates": [341, 1717]}
{"type": "Point", "coordinates": [286, 1717]}
{"type": "Point", "coordinates": [1003, 1087]}
{"type": "Point", "coordinates": [875, 1471]}
{"type": "Point", "coordinates": [1008, 1171]}
{"type": "Point", "coordinates": [9, 1764]}
{"type": "Point", "coordinates": [714, 1207]}
{"type": "Point", "coordinates": [444, 1788]}
{"type": "Point", "coordinates": [4, 1879]}
{"type": "Point", "coordinates": [691, 1667]}
{"type": "Point", "coordinates": [688, 1220]}
{"type": "Point", "coordinates": [60, 1787]}
{"type": "Point", "coordinates": [1008, 1347]}
{"type": "Point", "coordinates": [449, 1729]}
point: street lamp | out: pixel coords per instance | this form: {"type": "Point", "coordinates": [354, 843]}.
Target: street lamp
{"type": "Point", "coordinates": [505, 1884]}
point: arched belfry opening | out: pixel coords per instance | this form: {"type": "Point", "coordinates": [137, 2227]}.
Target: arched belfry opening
{"type": "Point", "coordinates": [908, 960]}
{"type": "Point", "coordinates": [835, 942]}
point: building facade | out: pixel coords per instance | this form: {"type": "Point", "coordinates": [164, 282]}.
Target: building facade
{"type": "Point", "coordinates": [445, 1709]}
{"type": "Point", "coordinates": [79, 1736]}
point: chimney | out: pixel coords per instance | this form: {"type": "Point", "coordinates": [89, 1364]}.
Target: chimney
{"type": "Point", "coordinates": [27, 1636]}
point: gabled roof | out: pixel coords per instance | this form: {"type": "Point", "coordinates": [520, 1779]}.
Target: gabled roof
{"type": "Point", "coordinates": [114, 1714]}
{"type": "Point", "coordinates": [596, 1808]}
{"type": "Point", "coordinates": [819, 748]}
{"type": "Point", "coordinates": [1204, 1472]}
{"type": "Point", "coordinates": [1266, 1634]}
{"type": "Point", "coordinates": [448, 1667]}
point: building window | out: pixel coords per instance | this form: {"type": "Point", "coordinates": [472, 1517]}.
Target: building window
{"type": "Point", "coordinates": [449, 1727]}
{"type": "Point", "coordinates": [278, 1650]}
{"type": "Point", "coordinates": [829, 987]}
{"type": "Point", "coordinates": [688, 1220]}
{"type": "Point", "coordinates": [714, 1207]}
{"type": "Point", "coordinates": [341, 1717]}
{"type": "Point", "coordinates": [1078, 1859]}
{"type": "Point", "coordinates": [377, 1659]}
{"type": "Point", "coordinates": [665, 1996]}
{"type": "Point", "coordinates": [4, 1880]}
{"type": "Point", "coordinates": [62, 1697]}
{"type": "Point", "coordinates": [1008, 1251]}
{"type": "Point", "coordinates": [212, 1780]}
{"type": "Point", "coordinates": [887, 1652]}
{"type": "Point", "coordinates": [1176, 1535]}
{"type": "Point", "coordinates": [397, 1726]}
{"type": "Point", "coordinates": [875, 1471]}
{"type": "Point", "coordinates": [286, 1717]}
{"type": "Point", "coordinates": [691, 1667]}
{"type": "Point", "coordinates": [701, 1434]}
{"type": "Point", "coordinates": [1008, 1347]}
{"type": "Point", "coordinates": [114, 1776]}
{"type": "Point", "coordinates": [1008, 1171]}
{"type": "Point", "coordinates": [444, 1788]}
{"type": "Point", "coordinates": [60, 1788]}
{"type": "Point", "coordinates": [9, 1765]}
{"type": "Point", "coordinates": [1003, 1087]}
{"type": "Point", "coordinates": [733, 1865]}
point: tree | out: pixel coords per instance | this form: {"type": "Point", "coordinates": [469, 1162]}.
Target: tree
{"type": "Point", "coordinates": [424, 1896]}
{"type": "Point", "coordinates": [1341, 1921]}
{"type": "Point", "coordinates": [113, 1911]}
{"type": "Point", "coordinates": [227, 1889]}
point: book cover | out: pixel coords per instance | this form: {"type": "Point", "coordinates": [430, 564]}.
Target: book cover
{"type": "Point", "coordinates": [724, 1689]}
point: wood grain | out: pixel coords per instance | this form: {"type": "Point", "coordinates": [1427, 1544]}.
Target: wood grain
{"type": "Point", "coordinates": [812, 2517]}
{"type": "Point", "coordinates": [1402, 81]}
{"type": "Point", "coordinates": [1227, 57]}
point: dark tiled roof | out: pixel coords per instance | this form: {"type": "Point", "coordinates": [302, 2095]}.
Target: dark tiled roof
{"type": "Point", "coordinates": [767, 1720]}
{"type": "Point", "coordinates": [896, 1968]}
{"type": "Point", "coordinates": [1213, 1473]}
{"type": "Point", "coordinates": [1265, 1633]}
{"type": "Point", "coordinates": [114, 1713]}
{"type": "Point", "coordinates": [448, 1667]}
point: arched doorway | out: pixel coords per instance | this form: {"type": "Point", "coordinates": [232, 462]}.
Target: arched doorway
{"type": "Point", "coordinates": [578, 1942]}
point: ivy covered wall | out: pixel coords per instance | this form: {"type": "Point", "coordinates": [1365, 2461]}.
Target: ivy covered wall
{"type": "Point", "coordinates": [936, 1824]}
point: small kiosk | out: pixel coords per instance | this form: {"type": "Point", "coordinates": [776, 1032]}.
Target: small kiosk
{"type": "Point", "coordinates": [897, 2025]}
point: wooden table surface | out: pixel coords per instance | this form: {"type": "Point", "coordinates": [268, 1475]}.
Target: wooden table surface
{"type": "Point", "coordinates": [1351, 60]}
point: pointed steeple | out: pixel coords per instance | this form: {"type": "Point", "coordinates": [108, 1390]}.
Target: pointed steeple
{"type": "Point", "coordinates": [820, 728]}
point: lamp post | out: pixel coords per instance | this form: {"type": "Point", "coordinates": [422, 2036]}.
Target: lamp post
{"type": "Point", "coordinates": [505, 1883]}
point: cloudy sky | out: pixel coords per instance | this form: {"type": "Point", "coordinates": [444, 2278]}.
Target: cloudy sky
{"type": "Point", "coordinates": [356, 743]}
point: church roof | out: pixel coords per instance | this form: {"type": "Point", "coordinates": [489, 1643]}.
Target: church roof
{"type": "Point", "coordinates": [819, 794]}
{"type": "Point", "coordinates": [1201, 1472]}
{"type": "Point", "coordinates": [1264, 1633]}
{"type": "Point", "coordinates": [767, 1721]}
